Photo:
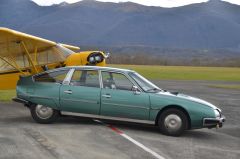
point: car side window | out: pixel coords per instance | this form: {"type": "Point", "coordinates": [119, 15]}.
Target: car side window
{"type": "Point", "coordinates": [116, 81]}
{"type": "Point", "coordinates": [52, 77]}
{"type": "Point", "coordinates": [87, 78]}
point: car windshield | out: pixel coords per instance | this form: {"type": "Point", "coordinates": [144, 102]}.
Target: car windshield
{"type": "Point", "coordinates": [145, 84]}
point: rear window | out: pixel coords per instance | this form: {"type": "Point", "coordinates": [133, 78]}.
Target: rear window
{"type": "Point", "coordinates": [51, 77]}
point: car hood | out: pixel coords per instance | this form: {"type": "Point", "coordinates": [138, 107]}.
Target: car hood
{"type": "Point", "coordinates": [187, 97]}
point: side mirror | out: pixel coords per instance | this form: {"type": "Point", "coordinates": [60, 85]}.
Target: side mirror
{"type": "Point", "coordinates": [135, 90]}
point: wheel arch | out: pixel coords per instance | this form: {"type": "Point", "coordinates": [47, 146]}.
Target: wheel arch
{"type": "Point", "coordinates": [175, 107]}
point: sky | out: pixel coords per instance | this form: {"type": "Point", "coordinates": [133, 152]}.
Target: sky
{"type": "Point", "coordinates": [161, 3]}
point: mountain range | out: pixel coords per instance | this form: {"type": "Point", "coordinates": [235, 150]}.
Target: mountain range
{"type": "Point", "coordinates": [207, 26]}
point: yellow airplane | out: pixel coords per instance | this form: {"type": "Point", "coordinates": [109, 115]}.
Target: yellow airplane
{"type": "Point", "coordinates": [24, 54]}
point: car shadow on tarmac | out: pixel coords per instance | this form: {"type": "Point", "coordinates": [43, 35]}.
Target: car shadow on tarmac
{"type": "Point", "coordinates": [122, 125]}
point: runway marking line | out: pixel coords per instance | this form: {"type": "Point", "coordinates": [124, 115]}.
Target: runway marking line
{"type": "Point", "coordinates": [121, 133]}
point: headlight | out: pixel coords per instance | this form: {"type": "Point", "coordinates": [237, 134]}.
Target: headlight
{"type": "Point", "coordinates": [217, 113]}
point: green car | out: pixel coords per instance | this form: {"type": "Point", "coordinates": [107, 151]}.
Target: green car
{"type": "Point", "coordinates": [115, 94]}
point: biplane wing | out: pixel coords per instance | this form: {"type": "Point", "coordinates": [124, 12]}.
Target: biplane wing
{"type": "Point", "coordinates": [22, 53]}
{"type": "Point", "coordinates": [19, 51]}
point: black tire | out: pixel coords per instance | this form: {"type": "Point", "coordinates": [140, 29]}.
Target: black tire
{"type": "Point", "coordinates": [172, 122]}
{"type": "Point", "coordinates": [50, 118]}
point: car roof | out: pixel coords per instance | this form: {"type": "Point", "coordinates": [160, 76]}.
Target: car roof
{"type": "Point", "coordinates": [89, 67]}
{"type": "Point", "coordinates": [101, 68]}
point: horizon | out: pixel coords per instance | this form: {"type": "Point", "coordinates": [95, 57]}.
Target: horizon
{"type": "Point", "coordinates": [162, 3]}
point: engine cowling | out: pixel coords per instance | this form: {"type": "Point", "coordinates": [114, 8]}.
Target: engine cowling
{"type": "Point", "coordinates": [93, 58]}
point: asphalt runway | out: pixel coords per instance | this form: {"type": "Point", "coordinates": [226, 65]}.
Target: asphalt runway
{"type": "Point", "coordinates": [85, 138]}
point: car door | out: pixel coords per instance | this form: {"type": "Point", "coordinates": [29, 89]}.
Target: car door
{"type": "Point", "coordinates": [82, 93]}
{"type": "Point", "coordinates": [118, 99]}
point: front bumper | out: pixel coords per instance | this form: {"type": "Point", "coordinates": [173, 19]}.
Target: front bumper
{"type": "Point", "coordinates": [214, 122]}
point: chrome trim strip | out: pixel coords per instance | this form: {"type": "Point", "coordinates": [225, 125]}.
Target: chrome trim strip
{"type": "Point", "coordinates": [43, 97]}
{"type": "Point", "coordinates": [50, 71]}
{"type": "Point", "coordinates": [125, 105]}
{"type": "Point", "coordinates": [68, 78]}
{"type": "Point", "coordinates": [107, 117]}
{"type": "Point", "coordinates": [100, 79]}
{"type": "Point", "coordinates": [155, 108]}
{"type": "Point", "coordinates": [81, 100]}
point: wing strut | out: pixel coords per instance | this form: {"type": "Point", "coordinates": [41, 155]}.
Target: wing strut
{"type": "Point", "coordinates": [12, 65]}
{"type": "Point", "coordinates": [35, 55]}
{"type": "Point", "coordinates": [29, 57]}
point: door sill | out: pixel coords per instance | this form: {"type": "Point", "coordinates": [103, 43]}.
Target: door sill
{"type": "Point", "coordinates": [107, 117]}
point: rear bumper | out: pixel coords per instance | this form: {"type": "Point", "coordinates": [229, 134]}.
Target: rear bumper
{"type": "Point", "coordinates": [214, 122]}
{"type": "Point", "coordinates": [19, 100]}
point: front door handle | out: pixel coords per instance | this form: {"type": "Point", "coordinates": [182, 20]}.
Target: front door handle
{"type": "Point", "coordinates": [68, 92]}
{"type": "Point", "coordinates": [107, 96]}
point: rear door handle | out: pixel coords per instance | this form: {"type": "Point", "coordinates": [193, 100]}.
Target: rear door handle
{"type": "Point", "coordinates": [107, 96]}
{"type": "Point", "coordinates": [68, 92]}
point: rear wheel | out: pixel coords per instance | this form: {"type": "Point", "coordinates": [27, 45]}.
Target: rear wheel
{"type": "Point", "coordinates": [172, 122]}
{"type": "Point", "coordinates": [43, 114]}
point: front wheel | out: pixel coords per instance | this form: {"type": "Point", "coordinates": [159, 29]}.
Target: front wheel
{"type": "Point", "coordinates": [43, 114]}
{"type": "Point", "coordinates": [172, 122]}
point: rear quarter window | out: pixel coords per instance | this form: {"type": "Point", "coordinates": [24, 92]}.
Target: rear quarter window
{"type": "Point", "coordinates": [52, 77]}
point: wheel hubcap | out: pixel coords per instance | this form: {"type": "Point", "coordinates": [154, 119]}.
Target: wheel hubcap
{"type": "Point", "coordinates": [173, 122]}
{"type": "Point", "coordinates": [43, 112]}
